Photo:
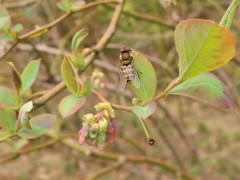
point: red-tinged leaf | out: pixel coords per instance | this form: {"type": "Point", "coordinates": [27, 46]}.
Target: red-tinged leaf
{"type": "Point", "coordinates": [207, 88]}
{"type": "Point", "coordinates": [16, 77]}
{"type": "Point", "coordinates": [69, 76]}
{"type": "Point", "coordinates": [40, 124]}
{"type": "Point", "coordinates": [8, 97]}
{"type": "Point", "coordinates": [71, 104]}
{"type": "Point", "coordinates": [29, 75]}
{"type": "Point", "coordinates": [146, 111]}
{"type": "Point", "coordinates": [7, 119]}
{"type": "Point", "coordinates": [203, 46]}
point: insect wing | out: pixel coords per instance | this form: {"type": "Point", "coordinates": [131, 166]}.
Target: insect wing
{"type": "Point", "coordinates": [121, 82]}
{"type": "Point", "coordinates": [136, 81]}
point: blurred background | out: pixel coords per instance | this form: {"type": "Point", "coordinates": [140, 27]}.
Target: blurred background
{"type": "Point", "coordinates": [202, 140]}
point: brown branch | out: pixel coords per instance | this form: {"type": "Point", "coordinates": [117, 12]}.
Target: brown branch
{"type": "Point", "coordinates": [54, 23]}
{"type": "Point", "coordinates": [169, 144]}
{"type": "Point", "coordinates": [189, 146]}
{"type": "Point", "coordinates": [129, 159]}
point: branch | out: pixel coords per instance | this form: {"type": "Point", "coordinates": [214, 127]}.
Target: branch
{"type": "Point", "coordinates": [54, 23]}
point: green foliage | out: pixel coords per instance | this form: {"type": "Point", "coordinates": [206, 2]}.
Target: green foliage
{"type": "Point", "coordinates": [147, 77]}
{"type": "Point", "coordinates": [39, 125]}
{"type": "Point", "coordinates": [65, 5]}
{"type": "Point", "coordinates": [146, 111]}
{"type": "Point", "coordinates": [70, 104]}
{"type": "Point", "coordinates": [202, 46]}
{"type": "Point", "coordinates": [229, 15]}
{"type": "Point", "coordinates": [69, 76]}
{"type": "Point", "coordinates": [207, 88]}
{"type": "Point", "coordinates": [23, 116]}
{"type": "Point", "coordinates": [87, 87]}
{"type": "Point", "coordinates": [78, 39]}
{"type": "Point", "coordinates": [8, 97]}
{"type": "Point", "coordinates": [77, 60]}
{"type": "Point", "coordinates": [29, 75]}
{"type": "Point", "coordinates": [7, 119]}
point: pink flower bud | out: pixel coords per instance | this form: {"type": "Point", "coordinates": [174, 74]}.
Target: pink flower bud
{"type": "Point", "coordinates": [82, 134]}
{"type": "Point", "coordinates": [99, 116]}
{"type": "Point", "coordinates": [111, 131]}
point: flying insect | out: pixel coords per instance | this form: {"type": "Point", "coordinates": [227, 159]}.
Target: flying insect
{"type": "Point", "coordinates": [128, 73]}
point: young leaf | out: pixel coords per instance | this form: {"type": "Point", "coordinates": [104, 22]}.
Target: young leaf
{"type": "Point", "coordinates": [8, 97]}
{"type": "Point", "coordinates": [4, 135]}
{"type": "Point", "coordinates": [87, 87]}
{"type": "Point", "coordinates": [65, 5]}
{"type": "Point", "coordinates": [77, 60]}
{"type": "Point", "coordinates": [147, 77]}
{"type": "Point", "coordinates": [70, 104]}
{"type": "Point", "coordinates": [39, 124]}
{"type": "Point", "coordinates": [69, 76]}
{"type": "Point", "coordinates": [77, 39]}
{"type": "Point", "coordinates": [29, 75]}
{"type": "Point", "coordinates": [5, 21]}
{"type": "Point", "coordinates": [23, 116]}
{"type": "Point", "coordinates": [146, 111]}
{"type": "Point", "coordinates": [7, 119]}
{"type": "Point", "coordinates": [16, 77]}
{"type": "Point", "coordinates": [207, 88]}
{"type": "Point", "coordinates": [40, 33]}
{"type": "Point", "coordinates": [229, 15]}
{"type": "Point", "coordinates": [203, 46]}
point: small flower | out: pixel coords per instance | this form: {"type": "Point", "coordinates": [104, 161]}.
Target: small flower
{"type": "Point", "coordinates": [105, 106]}
{"type": "Point", "coordinates": [88, 118]}
{"type": "Point", "coordinates": [111, 131]}
{"type": "Point", "coordinates": [99, 116]}
{"type": "Point", "coordinates": [94, 130]}
{"type": "Point", "coordinates": [83, 134]}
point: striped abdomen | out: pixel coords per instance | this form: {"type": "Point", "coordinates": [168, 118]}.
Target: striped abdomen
{"type": "Point", "coordinates": [128, 73]}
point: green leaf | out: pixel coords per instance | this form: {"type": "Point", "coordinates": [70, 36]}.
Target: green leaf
{"type": "Point", "coordinates": [29, 75]}
{"type": "Point", "coordinates": [202, 46]}
{"type": "Point", "coordinates": [4, 135]}
{"type": "Point", "coordinates": [65, 5]}
{"type": "Point", "coordinates": [27, 107]}
{"type": "Point", "coordinates": [147, 77]}
{"type": "Point", "coordinates": [207, 88]}
{"type": "Point", "coordinates": [23, 116]}
{"type": "Point", "coordinates": [77, 39]}
{"type": "Point", "coordinates": [7, 119]}
{"type": "Point", "coordinates": [70, 104]}
{"type": "Point", "coordinates": [8, 97]}
{"type": "Point", "coordinates": [69, 76]}
{"type": "Point", "coordinates": [16, 77]}
{"type": "Point", "coordinates": [87, 87]}
{"type": "Point", "coordinates": [5, 21]}
{"type": "Point", "coordinates": [39, 124]}
{"type": "Point", "coordinates": [17, 28]}
{"type": "Point", "coordinates": [228, 17]}
{"type": "Point", "coordinates": [146, 111]}
{"type": "Point", "coordinates": [78, 61]}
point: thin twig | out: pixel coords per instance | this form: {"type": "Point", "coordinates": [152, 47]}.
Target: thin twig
{"type": "Point", "coordinates": [169, 144]}
{"type": "Point", "coordinates": [54, 23]}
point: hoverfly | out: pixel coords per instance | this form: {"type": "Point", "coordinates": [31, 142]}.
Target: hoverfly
{"type": "Point", "coordinates": [127, 70]}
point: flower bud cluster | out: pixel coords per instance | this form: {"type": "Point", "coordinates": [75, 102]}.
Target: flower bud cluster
{"type": "Point", "coordinates": [98, 129]}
